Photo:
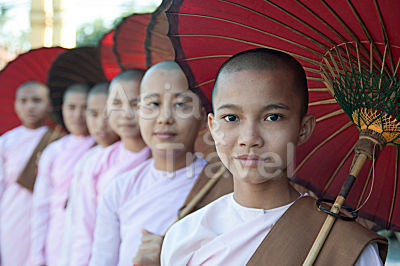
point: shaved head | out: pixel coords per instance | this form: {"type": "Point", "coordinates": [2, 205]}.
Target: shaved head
{"type": "Point", "coordinates": [32, 83]}
{"type": "Point", "coordinates": [269, 60]}
{"type": "Point", "coordinates": [100, 88]}
{"type": "Point", "coordinates": [134, 74]}
{"type": "Point", "coordinates": [82, 88]}
{"type": "Point", "coordinates": [165, 65]}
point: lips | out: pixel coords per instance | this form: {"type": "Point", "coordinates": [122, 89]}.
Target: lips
{"type": "Point", "coordinates": [165, 134]}
{"type": "Point", "coordinates": [249, 160]}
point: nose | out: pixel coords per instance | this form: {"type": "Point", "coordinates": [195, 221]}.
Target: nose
{"type": "Point", "coordinates": [128, 112]}
{"type": "Point", "coordinates": [250, 136]}
{"type": "Point", "coordinates": [165, 116]}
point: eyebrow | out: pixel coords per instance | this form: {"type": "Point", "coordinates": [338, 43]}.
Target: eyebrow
{"type": "Point", "coordinates": [274, 106]}
{"type": "Point", "coordinates": [268, 107]}
{"type": "Point", "coordinates": [183, 95]}
{"type": "Point", "coordinates": [151, 95]}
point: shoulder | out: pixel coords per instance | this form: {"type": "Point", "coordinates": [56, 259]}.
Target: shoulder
{"type": "Point", "coordinates": [204, 217]}
{"type": "Point", "coordinates": [124, 183]}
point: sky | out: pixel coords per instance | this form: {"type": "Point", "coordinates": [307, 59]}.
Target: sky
{"type": "Point", "coordinates": [78, 12]}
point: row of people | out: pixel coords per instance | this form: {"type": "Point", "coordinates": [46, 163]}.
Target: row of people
{"type": "Point", "coordinates": [111, 203]}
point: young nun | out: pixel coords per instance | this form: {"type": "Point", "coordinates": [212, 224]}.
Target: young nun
{"type": "Point", "coordinates": [116, 159]}
{"type": "Point", "coordinates": [149, 196]}
{"type": "Point", "coordinates": [17, 146]}
{"type": "Point", "coordinates": [260, 107]}
{"type": "Point", "coordinates": [99, 129]}
{"type": "Point", "coordinates": [54, 176]}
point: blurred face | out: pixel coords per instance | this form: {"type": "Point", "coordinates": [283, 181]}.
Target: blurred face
{"type": "Point", "coordinates": [97, 120]}
{"type": "Point", "coordinates": [170, 114]}
{"type": "Point", "coordinates": [122, 108]}
{"type": "Point", "coordinates": [32, 105]}
{"type": "Point", "coordinates": [74, 113]}
{"type": "Point", "coordinates": [256, 123]}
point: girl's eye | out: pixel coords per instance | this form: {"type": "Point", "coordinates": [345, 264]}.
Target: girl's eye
{"type": "Point", "coordinates": [273, 117]}
{"type": "Point", "coordinates": [230, 118]}
{"type": "Point", "coordinates": [153, 104]}
{"type": "Point", "coordinates": [179, 105]}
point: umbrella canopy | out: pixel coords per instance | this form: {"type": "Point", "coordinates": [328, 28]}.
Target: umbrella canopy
{"type": "Point", "coordinates": [32, 65]}
{"type": "Point", "coordinates": [108, 59]}
{"type": "Point", "coordinates": [317, 33]}
{"type": "Point", "coordinates": [78, 65]}
{"type": "Point", "coordinates": [129, 39]}
{"type": "Point", "coordinates": [158, 46]}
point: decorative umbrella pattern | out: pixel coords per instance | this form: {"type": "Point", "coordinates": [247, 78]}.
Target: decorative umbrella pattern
{"type": "Point", "coordinates": [317, 33]}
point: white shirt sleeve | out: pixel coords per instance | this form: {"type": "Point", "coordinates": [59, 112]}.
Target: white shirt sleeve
{"type": "Point", "coordinates": [370, 256]}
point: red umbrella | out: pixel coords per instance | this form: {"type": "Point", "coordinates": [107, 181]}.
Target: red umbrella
{"type": "Point", "coordinates": [108, 58]}
{"type": "Point", "coordinates": [129, 38]}
{"type": "Point", "coordinates": [32, 65]}
{"type": "Point", "coordinates": [158, 46]}
{"type": "Point", "coordinates": [317, 33]}
{"type": "Point", "coordinates": [78, 65]}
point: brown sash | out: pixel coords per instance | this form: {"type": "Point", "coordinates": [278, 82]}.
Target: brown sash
{"type": "Point", "coordinates": [27, 177]}
{"type": "Point", "coordinates": [292, 236]}
{"type": "Point", "coordinates": [223, 186]}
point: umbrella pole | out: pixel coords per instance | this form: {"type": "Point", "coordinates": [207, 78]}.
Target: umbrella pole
{"type": "Point", "coordinates": [365, 148]}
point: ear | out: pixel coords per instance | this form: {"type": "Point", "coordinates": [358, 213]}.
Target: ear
{"type": "Point", "coordinates": [210, 122]}
{"type": "Point", "coordinates": [306, 129]}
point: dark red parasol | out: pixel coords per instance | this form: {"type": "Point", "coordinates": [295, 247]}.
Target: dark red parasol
{"type": "Point", "coordinates": [108, 58]}
{"type": "Point", "coordinates": [158, 45]}
{"type": "Point", "coordinates": [129, 39]}
{"type": "Point", "coordinates": [78, 65]}
{"type": "Point", "coordinates": [206, 33]}
{"type": "Point", "coordinates": [32, 65]}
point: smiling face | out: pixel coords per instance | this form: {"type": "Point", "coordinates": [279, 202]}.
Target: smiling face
{"type": "Point", "coordinates": [170, 114]}
{"type": "Point", "coordinates": [256, 118]}
{"type": "Point", "coordinates": [74, 113]}
{"type": "Point", "coordinates": [97, 120]}
{"type": "Point", "coordinates": [122, 108]}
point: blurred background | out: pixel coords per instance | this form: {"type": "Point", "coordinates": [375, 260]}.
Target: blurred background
{"type": "Point", "coordinates": [29, 24]}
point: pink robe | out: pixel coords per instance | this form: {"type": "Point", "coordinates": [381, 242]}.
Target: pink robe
{"type": "Point", "coordinates": [82, 168]}
{"type": "Point", "coordinates": [143, 198]}
{"type": "Point", "coordinates": [16, 147]}
{"type": "Point", "coordinates": [115, 160]}
{"type": "Point", "coordinates": [56, 169]}
{"type": "Point", "coordinates": [226, 233]}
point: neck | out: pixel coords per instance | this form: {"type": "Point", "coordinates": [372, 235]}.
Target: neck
{"type": "Point", "coordinates": [133, 144]}
{"type": "Point", "coordinates": [267, 195]}
{"type": "Point", "coordinates": [36, 126]}
{"type": "Point", "coordinates": [173, 162]}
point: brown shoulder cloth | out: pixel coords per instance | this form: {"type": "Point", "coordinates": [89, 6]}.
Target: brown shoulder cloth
{"type": "Point", "coordinates": [27, 177]}
{"type": "Point", "coordinates": [291, 238]}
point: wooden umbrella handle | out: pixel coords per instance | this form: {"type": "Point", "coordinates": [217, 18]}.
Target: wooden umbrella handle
{"type": "Point", "coordinates": [330, 220]}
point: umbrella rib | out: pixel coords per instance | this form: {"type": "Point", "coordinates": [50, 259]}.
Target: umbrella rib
{"type": "Point", "coordinates": [395, 187]}
{"type": "Point", "coordinates": [321, 144]}
{"type": "Point", "coordinates": [327, 101]}
{"type": "Point", "coordinates": [332, 42]}
{"type": "Point", "coordinates": [318, 89]}
{"type": "Point", "coordinates": [345, 27]}
{"type": "Point", "coordinates": [329, 115]}
{"type": "Point", "coordinates": [384, 33]}
{"type": "Point", "coordinates": [366, 32]}
{"type": "Point", "coordinates": [312, 61]}
{"type": "Point", "coordinates": [255, 29]}
{"type": "Point", "coordinates": [160, 35]}
{"type": "Point", "coordinates": [365, 187]}
{"type": "Point", "coordinates": [328, 184]}
{"type": "Point", "coordinates": [311, 39]}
